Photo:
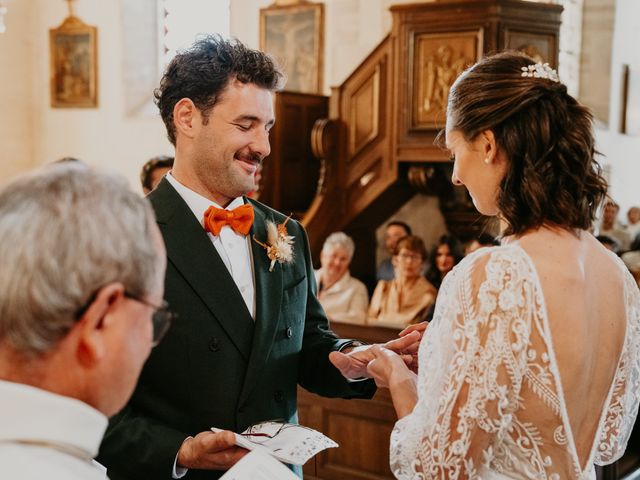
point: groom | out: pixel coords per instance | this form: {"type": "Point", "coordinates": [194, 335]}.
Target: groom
{"type": "Point", "coordinates": [249, 327]}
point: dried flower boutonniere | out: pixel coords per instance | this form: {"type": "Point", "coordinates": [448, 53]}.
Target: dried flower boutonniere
{"type": "Point", "coordinates": [279, 244]}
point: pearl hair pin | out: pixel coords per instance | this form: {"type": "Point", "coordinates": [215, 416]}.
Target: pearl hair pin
{"type": "Point", "coordinates": [540, 70]}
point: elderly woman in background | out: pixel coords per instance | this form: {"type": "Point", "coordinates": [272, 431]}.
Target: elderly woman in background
{"type": "Point", "coordinates": [407, 298]}
{"type": "Point", "coordinates": [446, 255]}
{"type": "Point", "coordinates": [343, 297]}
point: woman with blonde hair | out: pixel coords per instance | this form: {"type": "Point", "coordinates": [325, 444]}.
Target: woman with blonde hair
{"type": "Point", "coordinates": [343, 298]}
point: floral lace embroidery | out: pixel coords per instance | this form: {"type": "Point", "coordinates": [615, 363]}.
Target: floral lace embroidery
{"type": "Point", "coordinates": [625, 399]}
{"type": "Point", "coordinates": [487, 349]}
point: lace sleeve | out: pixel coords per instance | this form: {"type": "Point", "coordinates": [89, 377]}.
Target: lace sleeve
{"type": "Point", "coordinates": [622, 408]}
{"type": "Point", "coordinates": [472, 362]}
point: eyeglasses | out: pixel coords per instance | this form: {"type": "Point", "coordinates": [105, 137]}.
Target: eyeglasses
{"type": "Point", "coordinates": [161, 318]}
{"type": "Point", "coordinates": [409, 256]}
{"type": "Point", "coordinates": [268, 430]}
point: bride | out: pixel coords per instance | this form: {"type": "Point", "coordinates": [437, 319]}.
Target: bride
{"type": "Point", "coordinates": [530, 368]}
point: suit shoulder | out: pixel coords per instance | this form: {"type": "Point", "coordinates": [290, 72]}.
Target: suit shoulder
{"type": "Point", "coordinates": [266, 209]}
{"type": "Point", "coordinates": [277, 216]}
{"type": "Point", "coordinates": [164, 200]}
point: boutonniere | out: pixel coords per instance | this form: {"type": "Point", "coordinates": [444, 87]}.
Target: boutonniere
{"type": "Point", "coordinates": [279, 244]}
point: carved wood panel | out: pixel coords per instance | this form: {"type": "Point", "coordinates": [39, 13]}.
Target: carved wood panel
{"type": "Point", "coordinates": [437, 61]}
{"type": "Point", "coordinates": [434, 42]}
{"type": "Point", "coordinates": [365, 113]}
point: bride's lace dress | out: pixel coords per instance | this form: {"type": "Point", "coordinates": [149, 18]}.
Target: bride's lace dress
{"type": "Point", "coordinates": [490, 401]}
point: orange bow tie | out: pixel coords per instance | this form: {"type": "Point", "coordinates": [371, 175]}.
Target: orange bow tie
{"type": "Point", "coordinates": [240, 219]}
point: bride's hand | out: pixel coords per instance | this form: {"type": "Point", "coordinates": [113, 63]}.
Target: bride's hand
{"type": "Point", "coordinates": [389, 370]}
{"type": "Point", "coordinates": [387, 367]}
{"type": "Point", "coordinates": [409, 339]}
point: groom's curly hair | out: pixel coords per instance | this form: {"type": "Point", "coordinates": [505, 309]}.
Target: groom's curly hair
{"type": "Point", "coordinates": [553, 177]}
{"type": "Point", "coordinates": [203, 71]}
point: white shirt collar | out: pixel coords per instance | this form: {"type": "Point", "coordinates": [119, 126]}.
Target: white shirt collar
{"type": "Point", "coordinates": [196, 202]}
{"type": "Point", "coordinates": [30, 413]}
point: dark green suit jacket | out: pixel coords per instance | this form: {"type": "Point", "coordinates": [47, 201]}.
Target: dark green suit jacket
{"type": "Point", "coordinates": [217, 367]}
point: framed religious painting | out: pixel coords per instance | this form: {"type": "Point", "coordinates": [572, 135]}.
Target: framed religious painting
{"type": "Point", "coordinates": [74, 67]}
{"type": "Point", "coordinates": [293, 32]}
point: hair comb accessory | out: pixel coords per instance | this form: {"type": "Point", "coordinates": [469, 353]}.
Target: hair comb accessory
{"type": "Point", "coordinates": [540, 70]}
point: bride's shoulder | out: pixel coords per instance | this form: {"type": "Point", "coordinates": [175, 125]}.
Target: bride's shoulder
{"type": "Point", "coordinates": [497, 265]}
{"type": "Point", "coordinates": [502, 256]}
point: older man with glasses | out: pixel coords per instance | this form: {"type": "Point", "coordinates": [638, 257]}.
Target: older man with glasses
{"type": "Point", "coordinates": [81, 290]}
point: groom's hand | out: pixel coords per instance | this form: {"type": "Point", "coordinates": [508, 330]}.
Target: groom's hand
{"type": "Point", "coordinates": [415, 332]}
{"type": "Point", "coordinates": [210, 451]}
{"type": "Point", "coordinates": [353, 363]}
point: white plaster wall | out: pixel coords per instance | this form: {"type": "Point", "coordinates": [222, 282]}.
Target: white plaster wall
{"type": "Point", "coordinates": [103, 136]}
{"type": "Point", "coordinates": [33, 133]}
{"type": "Point", "coordinates": [16, 107]}
{"type": "Point", "coordinates": [595, 60]}
{"type": "Point", "coordinates": [622, 151]}
{"type": "Point", "coordinates": [570, 44]}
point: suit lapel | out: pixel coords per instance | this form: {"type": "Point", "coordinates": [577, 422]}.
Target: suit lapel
{"type": "Point", "coordinates": [190, 250]}
{"type": "Point", "coordinates": [268, 299]}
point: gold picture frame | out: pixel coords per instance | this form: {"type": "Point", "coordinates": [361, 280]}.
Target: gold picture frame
{"type": "Point", "coordinates": [294, 35]}
{"type": "Point", "coordinates": [74, 64]}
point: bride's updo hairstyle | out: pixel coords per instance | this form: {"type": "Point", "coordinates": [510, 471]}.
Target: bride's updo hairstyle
{"type": "Point", "coordinates": [553, 177]}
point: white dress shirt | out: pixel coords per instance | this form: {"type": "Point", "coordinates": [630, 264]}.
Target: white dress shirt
{"type": "Point", "coordinates": [233, 248]}
{"type": "Point", "coordinates": [47, 436]}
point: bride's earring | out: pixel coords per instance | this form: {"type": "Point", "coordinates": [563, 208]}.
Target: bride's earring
{"type": "Point", "coordinates": [487, 160]}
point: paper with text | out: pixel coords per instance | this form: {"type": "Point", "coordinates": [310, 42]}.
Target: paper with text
{"type": "Point", "coordinates": [286, 442]}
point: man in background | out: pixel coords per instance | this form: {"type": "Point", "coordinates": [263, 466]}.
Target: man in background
{"type": "Point", "coordinates": [394, 232]}
{"type": "Point", "coordinates": [82, 273]}
{"type": "Point", "coordinates": [153, 171]}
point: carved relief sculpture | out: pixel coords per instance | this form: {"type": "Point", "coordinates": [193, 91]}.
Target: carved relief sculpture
{"type": "Point", "coordinates": [438, 60]}
{"type": "Point", "coordinates": [440, 72]}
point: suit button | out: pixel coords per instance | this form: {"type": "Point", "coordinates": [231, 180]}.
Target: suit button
{"type": "Point", "coordinates": [289, 332]}
{"type": "Point", "coordinates": [214, 344]}
{"type": "Point", "coordinates": [278, 396]}
{"type": "Point", "coordinates": [242, 408]}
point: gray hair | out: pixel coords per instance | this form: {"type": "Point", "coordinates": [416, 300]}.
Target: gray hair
{"type": "Point", "coordinates": [341, 240]}
{"type": "Point", "coordinates": [65, 232]}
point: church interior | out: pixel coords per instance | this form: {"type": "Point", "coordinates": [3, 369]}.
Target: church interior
{"type": "Point", "coordinates": [356, 142]}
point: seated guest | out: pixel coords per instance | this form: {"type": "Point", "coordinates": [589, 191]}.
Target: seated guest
{"type": "Point", "coordinates": [482, 240]}
{"type": "Point", "coordinates": [405, 299]}
{"type": "Point", "coordinates": [75, 329]}
{"type": "Point", "coordinates": [394, 232]}
{"type": "Point", "coordinates": [610, 227]}
{"type": "Point", "coordinates": [153, 171]}
{"type": "Point", "coordinates": [446, 255]}
{"type": "Point", "coordinates": [343, 298]}
{"type": "Point", "coordinates": [632, 260]}
{"type": "Point", "coordinates": [633, 227]}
